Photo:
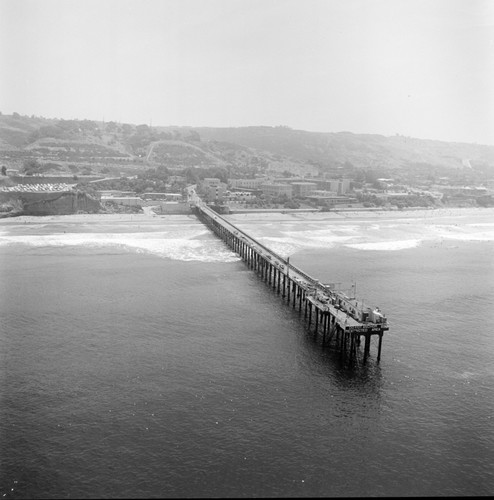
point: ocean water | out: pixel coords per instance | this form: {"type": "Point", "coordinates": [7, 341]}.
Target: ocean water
{"type": "Point", "coordinates": [142, 358]}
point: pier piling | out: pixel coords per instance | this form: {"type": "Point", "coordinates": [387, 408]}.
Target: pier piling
{"type": "Point", "coordinates": [336, 315]}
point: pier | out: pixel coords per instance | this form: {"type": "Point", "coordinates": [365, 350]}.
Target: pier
{"type": "Point", "coordinates": [328, 312]}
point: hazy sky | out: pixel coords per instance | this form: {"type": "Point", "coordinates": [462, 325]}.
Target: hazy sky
{"type": "Point", "coordinates": [423, 68]}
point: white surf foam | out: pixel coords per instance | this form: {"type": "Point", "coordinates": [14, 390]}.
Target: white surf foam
{"type": "Point", "coordinates": [175, 245]}
{"type": "Point", "coordinates": [483, 224]}
{"type": "Point", "coordinates": [292, 241]}
{"type": "Point", "coordinates": [464, 233]}
{"type": "Point", "coordinates": [476, 236]}
{"type": "Point", "coordinates": [386, 245]}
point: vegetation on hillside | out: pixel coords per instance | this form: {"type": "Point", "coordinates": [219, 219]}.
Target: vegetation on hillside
{"type": "Point", "coordinates": [243, 151]}
{"type": "Point", "coordinates": [141, 158]}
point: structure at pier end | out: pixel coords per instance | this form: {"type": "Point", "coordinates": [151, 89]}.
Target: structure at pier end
{"type": "Point", "coordinates": [330, 312]}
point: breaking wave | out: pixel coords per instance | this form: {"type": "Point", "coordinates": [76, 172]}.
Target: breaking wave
{"type": "Point", "coordinates": [386, 245]}
{"type": "Point", "coordinates": [378, 237]}
{"type": "Point", "coordinates": [176, 245]}
{"type": "Point", "coordinates": [293, 241]}
{"type": "Point", "coordinates": [464, 234]}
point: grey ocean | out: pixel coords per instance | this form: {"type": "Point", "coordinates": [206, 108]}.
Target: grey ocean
{"type": "Point", "coordinates": [141, 358]}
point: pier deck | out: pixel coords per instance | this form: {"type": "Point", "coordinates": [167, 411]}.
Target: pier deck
{"type": "Point", "coordinates": [335, 314]}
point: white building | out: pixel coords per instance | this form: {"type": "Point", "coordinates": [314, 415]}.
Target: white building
{"type": "Point", "coordinates": [130, 201]}
{"type": "Point", "coordinates": [277, 189]}
{"type": "Point", "coordinates": [246, 183]}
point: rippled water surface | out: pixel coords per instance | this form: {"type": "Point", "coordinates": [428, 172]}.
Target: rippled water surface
{"type": "Point", "coordinates": [142, 358]}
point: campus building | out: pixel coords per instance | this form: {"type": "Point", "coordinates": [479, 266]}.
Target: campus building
{"type": "Point", "coordinates": [246, 183]}
{"type": "Point", "coordinates": [275, 190]}
{"type": "Point", "coordinates": [303, 189]}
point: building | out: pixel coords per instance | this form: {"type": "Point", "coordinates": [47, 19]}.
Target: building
{"type": "Point", "coordinates": [162, 196]}
{"type": "Point", "coordinates": [171, 207]}
{"type": "Point", "coordinates": [303, 189]}
{"type": "Point", "coordinates": [212, 189]}
{"type": "Point", "coordinates": [246, 183]}
{"type": "Point", "coordinates": [131, 201]}
{"type": "Point", "coordinates": [275, 190]}
{"type": "Point", "coordinates": [330, 197]}
{"type": "Point", "coordinates": [338, 186]}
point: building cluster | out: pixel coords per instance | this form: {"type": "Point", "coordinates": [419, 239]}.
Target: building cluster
{"type": "Point", "coordinates": [442, 189]}
{"type": "Point", "coordinates": [331, 189]}
{"type": "Point", "coordinates": [317, 190]}
{"type": "Point", "coordinates": [343, 192]}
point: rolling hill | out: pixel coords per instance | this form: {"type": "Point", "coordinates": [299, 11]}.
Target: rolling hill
{"type": "Point", "coordinates": [244, 150]}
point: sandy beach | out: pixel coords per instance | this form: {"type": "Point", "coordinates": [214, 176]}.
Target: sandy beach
{"type": "Point", "coordinates": [258, 217]}
{"type": "Point", "coordinates": [90, 218]}
{"type": "Point", "coordinates": [360, 215]}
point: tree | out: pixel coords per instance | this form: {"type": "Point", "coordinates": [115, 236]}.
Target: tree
{"type": "Point", "coordinates": [127, 129]}
{"type": "Point", "coordinates": [291, 204]}
{"type": "Point", "coordinates": [31, 167]}
{"type": "Point", "coordinates": [4, 170]}
{"type": "Point", "coordinates": [143, 129]}
{"type": "Point", "coordinates": [193, 136]}
{"type": "Point", "coordinates": [111, 127]}
{"type": "Point", "coordinates": [359, 176]}
{"type": "Point", "coordinates": [370, 176]}
{"type": "Point", "coordinates": [485, 201]}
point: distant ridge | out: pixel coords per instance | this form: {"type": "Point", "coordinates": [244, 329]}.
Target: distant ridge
{"type": "Point", "coordinates": [363, 150]}
{"type": "Point", "coordinates": [99, 143]}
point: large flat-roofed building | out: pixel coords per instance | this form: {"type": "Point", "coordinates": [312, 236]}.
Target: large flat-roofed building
{"type": "Point", "coordinates": [246, 183]}
{"type": "Point", "coordinates": [273, 189]}
{"type": "Point", "coordinates": [338, 186]}
{"type": "Point", "coordinates": [162, 196]}
{"type": "Point", "coordinates": [130, 201]}
{"type": "Point", "coordinates": [303, 189]}
{"type": "Point", "coordinates": [330, 197]}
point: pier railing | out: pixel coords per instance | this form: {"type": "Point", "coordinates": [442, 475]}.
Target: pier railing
{"type": "Point", "coordinates": [334, 317]}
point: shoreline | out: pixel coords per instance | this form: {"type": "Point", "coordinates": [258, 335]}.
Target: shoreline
{"type": "Point", "coordinates": [85, 218]}
{"type": "Point", "coordinates": [252, 216]}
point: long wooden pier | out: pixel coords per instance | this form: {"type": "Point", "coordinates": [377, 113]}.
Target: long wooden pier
{"type": "Point", "coordinates": [327, 311]}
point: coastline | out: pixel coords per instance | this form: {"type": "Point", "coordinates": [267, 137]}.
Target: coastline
{"type": "Point", "coordinates": [357, 215]}
{"type": "Point", "coordinates": [258, 216]}
{"type": "Point", "coordinates": [90, 218]}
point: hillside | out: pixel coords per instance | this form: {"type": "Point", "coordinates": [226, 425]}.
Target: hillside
{"type": "Point", "coordinates": [75, 146]}
{"type": "Point", "coordinates": [362, 150]}
{"type": "Point", "coordinates": [85, 146]}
